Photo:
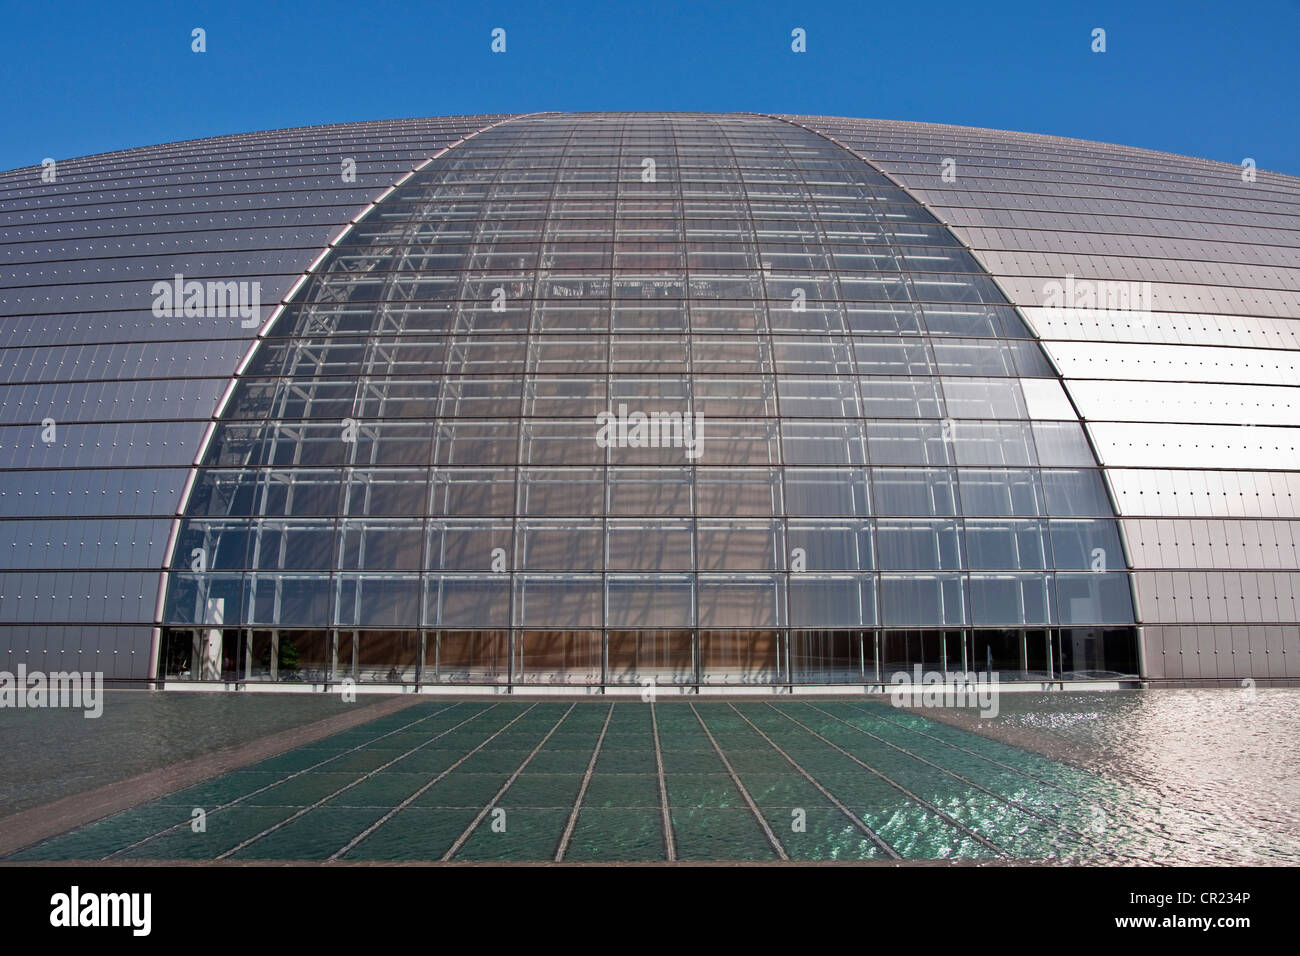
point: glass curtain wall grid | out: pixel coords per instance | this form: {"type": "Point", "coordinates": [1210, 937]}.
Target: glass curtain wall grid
{"type": "Point", "coordinates": [407, 483]}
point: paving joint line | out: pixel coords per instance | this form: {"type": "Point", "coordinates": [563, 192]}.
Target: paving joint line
{"type": "Point", "coordinates": [753, 807]}
{"type": "Point", "coordinates": [1014, 804]}
{"type": "Point", "coordinates": [875, 838]}
{"type": "Point", "coordinates": [292, 776]}
{"type": "Point", "coordinates": [572, 822]}
{"type": "Point", "coordinates": [424, 789]}
{"type": "Point", "coordinates": [303, 811]}
{"type": "Point", "coordinates": [469, 830]}
{"type": "Point", "coordinates": [1106, 804]}
{"type": "Point", "coordinates": [982, 840]}
{"type": "Point", "coordinates": [670, 841]}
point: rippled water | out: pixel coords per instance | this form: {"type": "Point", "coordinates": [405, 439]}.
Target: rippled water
{"type": "Point", "coordinates": [1166, 776]}
{"type": "Point", "coordinates": [1207, 776]}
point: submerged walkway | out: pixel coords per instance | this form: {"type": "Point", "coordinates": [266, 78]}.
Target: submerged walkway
{"type": "Point", "coordinates": [590, 780]}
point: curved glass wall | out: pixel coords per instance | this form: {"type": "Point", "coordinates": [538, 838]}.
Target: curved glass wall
{"type": "Point", "coordinates": [596, 399]}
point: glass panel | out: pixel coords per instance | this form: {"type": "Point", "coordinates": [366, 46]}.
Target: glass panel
{"type": "Point", "coordinates": [830, 492]}
{"type": "Point", "coordinates": [829, 546]}
{"type": "Point", "coordinates": [666, 657]}
{"type": "Point", "coordinates": [300, 656]}
{"type": "Point", "coordinates": [559, 545]}
{"type": "Point", "coordinates": [558, 601]}
{"type": "Point", "coordinates": [1094, 598]}
{"type": "Point", "coordinates": [469, 545]}
{"type": "Point", "coordinates": [1087, 545]}
{"type": "Point", "coordinates": [1001, 491]}
{"type": "Point", "coordinates": [832, 600]}
{"type": "Point", "coordinates": [739, 545]}
{"type": "Point", "coordinates": [1006, 545]}
{"type": "Point", "coordinates": [645, 600]}
{"type": "Point", "coordinates": [922, 600]}
{"type": "Point", "coordinates": [467, 656]}
{"type": "Point", "coordinates": [467, 601]}
{"type": "Point", "coordinates": [390, 657]}
{"type": "Point", "coordinates": [378, 600]}
{"type": "Point", "coordinates": [832, 656]}
{"type": "Point", "coordinates": [293, 599]}
{"type": "Point", "coordinates": [739, 657]}
{"type": "Point", "coordinates": [1076, 492]}
{"type": "Point", "coordinates": [742, 600]}
{"type": "Point", "coordinates": [558, 657]}
{"type": "Point", "coordinates": [379, 545]}
{"type": "Point", "coordinates": [1010, 599]}
{"type": "Point", "coordinates": [920, 545]}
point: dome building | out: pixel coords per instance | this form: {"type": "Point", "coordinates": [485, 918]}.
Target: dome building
{"type": "Point", "coordinates": [732, 403]}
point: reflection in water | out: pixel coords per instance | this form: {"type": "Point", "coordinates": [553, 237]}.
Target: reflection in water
{"type": "Point", "coordinates": [1206, 776]}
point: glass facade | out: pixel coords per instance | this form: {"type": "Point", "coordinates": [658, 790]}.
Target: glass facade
{"type": "Point", "coordinates": [412, 459]}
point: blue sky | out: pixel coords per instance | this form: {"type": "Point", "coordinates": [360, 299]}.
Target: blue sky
{"type": "Point", "coordinates": [1217, 80]}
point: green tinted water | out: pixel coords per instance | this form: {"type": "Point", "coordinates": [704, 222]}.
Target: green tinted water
{"type": "Point", "coordinates": [1107, 778]}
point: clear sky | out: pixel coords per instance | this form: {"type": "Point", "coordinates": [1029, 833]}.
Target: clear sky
{"type": "Point", "coordinates": [1219, 80]}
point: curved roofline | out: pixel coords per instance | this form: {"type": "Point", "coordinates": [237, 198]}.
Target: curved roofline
{"type": "Point", "coordinates": [1046, 138]}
